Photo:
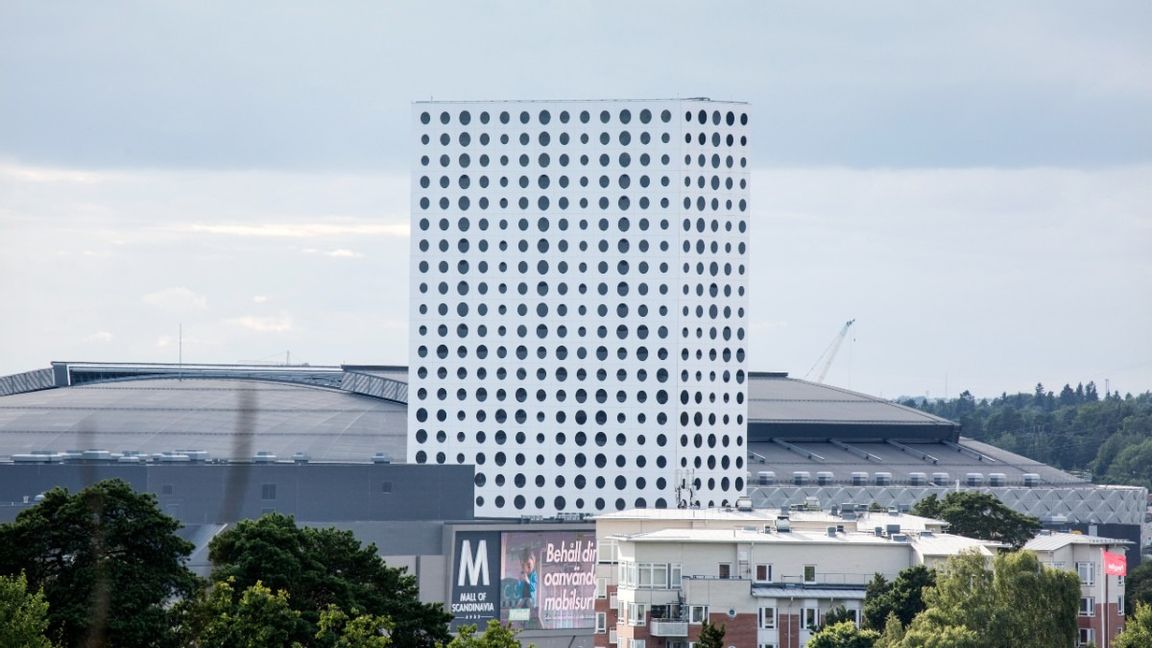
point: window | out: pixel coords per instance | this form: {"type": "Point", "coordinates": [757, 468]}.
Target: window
{"type": "Point", "coordinates": [636, 612]}
{"type": "Point", "coordinates": [612, 636]}
{"type": "Point", "coordinates": [1087, 572]}
{"type": "Point", "coordinates": [268, 491]}
{"type": "Point", "coordinates": [674, 575]}
{"type": "Point", "coordinates": [809, 573]}
{"type": "Point", "coordinates": [767, 617]}
{"type": "Point", "coordinates": [386, 487]}
{"type": "Point", "coordinates": [638, 643]}
{"type": "Point", "coordinates": [601, 588]}
{"type": "Point", "coordinates": [809, 618]}
{"type": "Point", "coordinates": [601, 622]}
{"type": "Point", "coordinates": [697, 613]}
{"type": "Point", "coordinates": [767, 646]}
{"type": "Point", "coordinates": [1087, 636]}
{"type": "Point", "coordinates": [763, 573]}
{"type": "Point", "coordinates": [1120, 605]}
{"type": "Point", "coordinates": [725, 570]}
{"type": "Point", "coordinates": [1087, 606]}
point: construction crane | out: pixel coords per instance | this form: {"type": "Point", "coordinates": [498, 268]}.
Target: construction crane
{"type": "Point", "coordinates": [826, 358]}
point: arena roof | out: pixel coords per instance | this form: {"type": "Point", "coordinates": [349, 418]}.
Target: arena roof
{"type": "Point", "coordinates": [228, 418]}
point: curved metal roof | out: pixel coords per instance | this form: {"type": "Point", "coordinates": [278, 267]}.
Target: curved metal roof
{"type": "Point", "coordinates": [229, 418]}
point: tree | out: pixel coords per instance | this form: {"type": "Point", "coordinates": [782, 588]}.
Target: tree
{"type": "Point", "coordinates": [1019, 603]}
{"type": "Point", "coordinates": [365, 631]}
{"type": "Point", "coordinates": [838, 614]}
{"type": "Point", "coordinates": [980, 515]}
{"type": "Point", "coordinates": [107, 559]}
{"type": "Point", "coordinates": [844, 634]}
{"type": "Point", "coordinates": [893, 633]}
{"type": "Point", "coordinates": [322, 567]}
{"type": "Point", "coordinates": [1137, 629]}
{"type": "Point", "coordinates": [1138, 585]}
{"type": "Point", "coordinates": [903, 597]}
{"type": "Point", "coordinates": [496, 635]}
{"type": "Point", "coordinates": [254, 618]}
{"type": "Point", "coordinates": [711, 636]}
{"type": "Point", "coordinates": [23, 614]}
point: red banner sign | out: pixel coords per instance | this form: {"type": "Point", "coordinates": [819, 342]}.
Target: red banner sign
{"type": "Point", "coordinates": [1115, 564]}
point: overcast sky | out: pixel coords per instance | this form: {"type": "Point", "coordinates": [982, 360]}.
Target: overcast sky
{"type": "Point", "coordinates": [971, 181]}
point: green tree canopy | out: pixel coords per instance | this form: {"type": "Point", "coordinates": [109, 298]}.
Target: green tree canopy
{"type": "Point", "coordinates": [844, 634]}
{"type": "Point", "coordinates": [108, 561]}
{"type": "Point", "coordinates": [1137, 629]}
{"type": "Point", "coordinates": [903, 597]}
{"type": "Point", "coordinates": [257, 617]}
{"type": "Point", "coordinates": [496, 635]}
{"type": "Point", "coordinates": [23, 614]}
{"type": "Point", "coordinates": [322, 567]}
{"type": "Point", "coordinates": [979, 515]}
{"type": "Point", "coordinates": [1019, 603]}
{"type": "Point", "coordinates": [711, 636]}
{"type": "Point", "coordinates": [1138, 585]}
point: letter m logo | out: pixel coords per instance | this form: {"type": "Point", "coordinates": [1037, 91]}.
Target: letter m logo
{"type": "Point", "coordinates": [473, 568]}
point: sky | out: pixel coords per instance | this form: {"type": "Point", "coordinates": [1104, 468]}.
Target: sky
{"type": "Point", "coordinates": [971, 182]}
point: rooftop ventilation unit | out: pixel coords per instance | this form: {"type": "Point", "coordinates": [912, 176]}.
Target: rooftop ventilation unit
{"type": "Point", "coordinates": [800, 477]}
{"type": "Point", "coordinates": [824, 477]}
{"type": "Point", "coordinates": [381, 458]}
{"type": "Point", "coordinates": [133, 459]}
{"type": "Point", "coordinates": [1031, 480]}
{"type": "Point", "coordinates": [883, 478]}
{"type": "Point", "coordinates": [96, 455]}
{"type": "Point", "coordinates": [831, 531]}
{"type": "Point", "coordinates": [917, 478]}
{"type": "Point", "coordinates": [997, 479]}
{"type": "Point", "coordinates": [974, 479]}
{"type": "Point", "coordinates": [892, 529]}
{"type": "Point", "coordinates": [878, 532]}
{"type": "Point", "coordinates": [766, 477]}
{"type": "Point", "coordinates": [940, 478]}
{"type": "Point", "coordinates": [172, 457]}
{"type": "Point", "coordinates": [744, 504]}
{"type": "Point", "coordinates": [783, 525]}
{"type": "Point", "coordinates": [859, 479]}
{"type": "Point", "coordinates": [264, 457]}
{"type": "Point", "coordinates": [195, 455]}
{"type": "Point", "coordinates": [299, 457]}
{"type": "Point", "coordinates": [899, 537]}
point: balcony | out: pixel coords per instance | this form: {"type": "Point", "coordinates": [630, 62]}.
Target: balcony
{"type": "Point", "coordinates": [667, 628]}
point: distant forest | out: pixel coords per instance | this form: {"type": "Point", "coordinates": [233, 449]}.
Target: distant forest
{"type": "Point", "coordinates": [1107, 437]}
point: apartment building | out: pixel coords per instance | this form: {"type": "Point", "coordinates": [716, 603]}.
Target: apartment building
{"type": "Point", "coordinates": [769, 577]}
{"type": "Point", "coordinates": [1101, 565]}
{"type": "Point", "coordinates": [579, 301]}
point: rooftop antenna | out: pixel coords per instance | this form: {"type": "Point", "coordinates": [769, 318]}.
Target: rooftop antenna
{"type": "Point", "coordinates": [180, 352]}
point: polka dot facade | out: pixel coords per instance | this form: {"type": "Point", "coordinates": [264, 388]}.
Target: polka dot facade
{"type": "Point", "coordinates": [579, 301]}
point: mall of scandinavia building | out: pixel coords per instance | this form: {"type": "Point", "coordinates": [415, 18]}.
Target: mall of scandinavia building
{"type": "Point", "coordinates": [579, 302]}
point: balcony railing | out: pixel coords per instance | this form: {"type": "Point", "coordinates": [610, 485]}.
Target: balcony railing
{"type": "Point", "coordinates": [666, 628]}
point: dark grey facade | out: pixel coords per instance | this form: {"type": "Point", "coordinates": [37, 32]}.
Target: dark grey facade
{"type": "Point", "coordinates": [219, 493]}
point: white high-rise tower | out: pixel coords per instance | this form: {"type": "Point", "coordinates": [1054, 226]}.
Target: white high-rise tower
{"type": "Point", "coordinates": [579, 304]}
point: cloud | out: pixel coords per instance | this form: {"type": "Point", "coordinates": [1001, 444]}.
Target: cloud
{"type": "Point", "coordinates": [176, 299]}
{"type": "Point", "coordinates": [300, 230]}
{"type": "Point", "coordinates": [339, 253]}
{"type": "Point", "coordinates": [278, 324]}
{"type": "Point", "coordinates": [164, 341]}
{"type": "Point", "coordinates": [259, 299]}
{"type": "Point", "coordinates": [99, 336]}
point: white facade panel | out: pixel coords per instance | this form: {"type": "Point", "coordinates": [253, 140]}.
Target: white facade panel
{"type": "Point", "coordinates": [579, 301]}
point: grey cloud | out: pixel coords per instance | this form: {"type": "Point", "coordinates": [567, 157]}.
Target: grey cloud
{"type": "Point", "coordinates": [327, 86]}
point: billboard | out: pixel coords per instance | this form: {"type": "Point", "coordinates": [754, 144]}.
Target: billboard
{"type": "Point", "coordinates": [548, 579]}
{"type": "Point", "coordinates": [475, 586]}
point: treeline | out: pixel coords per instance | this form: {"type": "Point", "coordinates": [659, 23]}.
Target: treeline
{"type": "Point", "coordinates": [1107, 436]}
{"type": "Point", "coordinates": [104, 567]}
